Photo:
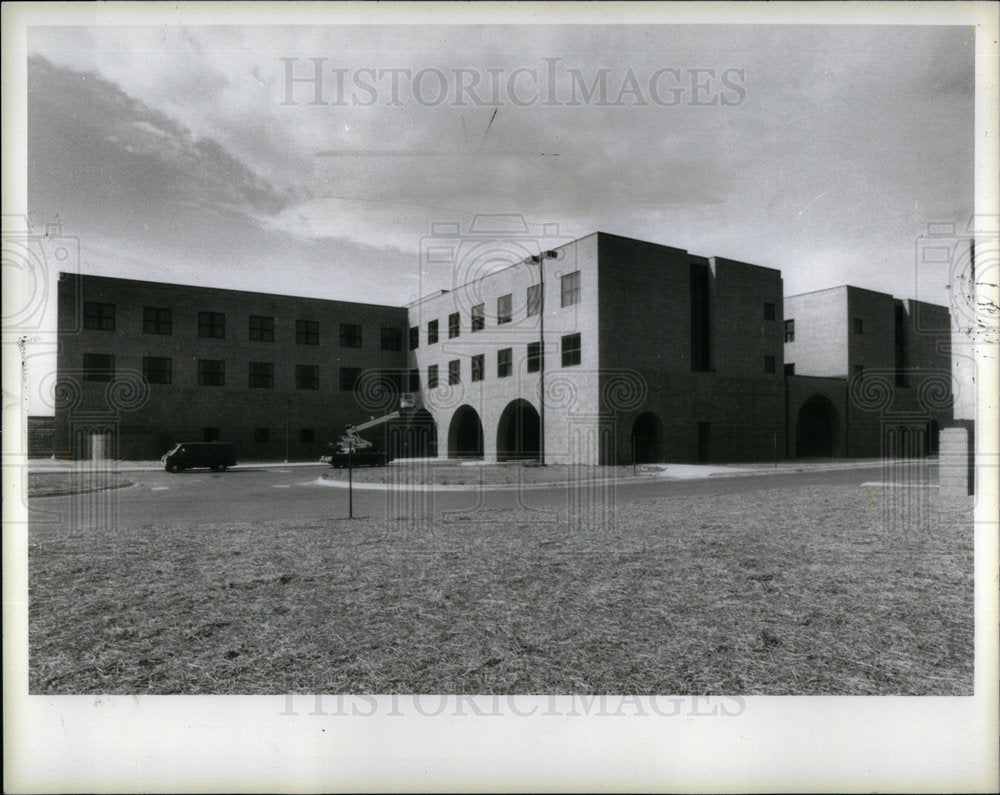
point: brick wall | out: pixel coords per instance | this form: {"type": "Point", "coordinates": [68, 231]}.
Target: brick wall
{"type": "Point", "coordinates": [144, 419]}
{"type": "Point", "coordinates": [820, 344]}
{"type": "Point", "coordinates": [735, 411]}
{"type": "Point", "coordinates": [570, 391]}
{"type": "Point", "coordinates": [41, 436]}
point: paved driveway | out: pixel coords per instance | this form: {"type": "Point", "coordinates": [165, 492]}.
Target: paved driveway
{"type": "Point", "coordinates": [249, 494]}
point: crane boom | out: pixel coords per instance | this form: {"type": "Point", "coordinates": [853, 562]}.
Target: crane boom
{"type": "Point", "coordinates": [352, 441]}
{"type": "Point", "coordinates": [373, 423]}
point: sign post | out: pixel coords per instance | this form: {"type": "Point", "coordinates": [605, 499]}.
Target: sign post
{"type": "Point", "coordinates": [350, 480]}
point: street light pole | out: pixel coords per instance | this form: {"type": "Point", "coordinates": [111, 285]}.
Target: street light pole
{"type": "Point", "coordinates": [540, 259]}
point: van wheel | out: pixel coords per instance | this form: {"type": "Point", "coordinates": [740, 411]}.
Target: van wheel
{"type": "Point", "coordinates": [221, 468]}
{"type": "Point", "coordinates": [173, 468]}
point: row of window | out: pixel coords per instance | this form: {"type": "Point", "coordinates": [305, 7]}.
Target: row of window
{"type": "Point", "coordinates": [212, 325]}
{"type": "Point", "coordinates": [570, 353]}
{"type": "Point", "coordinates": [569, 292]}
{"type": "Point", "coordinates": [212, 372]}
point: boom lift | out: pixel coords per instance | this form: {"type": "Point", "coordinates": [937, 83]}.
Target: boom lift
{"type": "Point", "coordinates": [352, 448]}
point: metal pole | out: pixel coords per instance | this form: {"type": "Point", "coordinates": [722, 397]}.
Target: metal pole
{"type": "Point", "coordinates": [350, 481]}
{"type": "Point", "coordinates": [541, 352]}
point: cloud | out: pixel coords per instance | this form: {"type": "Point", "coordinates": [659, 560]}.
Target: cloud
{"type": "Point", "coordinates": [847, 141]}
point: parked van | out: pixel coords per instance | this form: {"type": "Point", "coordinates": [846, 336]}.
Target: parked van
{"type": "Point", "coordinates": [187, 455]}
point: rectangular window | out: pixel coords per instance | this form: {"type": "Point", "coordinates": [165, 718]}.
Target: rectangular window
{"type": "Point", "coordinates": [392, 338]}
{"type": "Point", "coordinates": [534, 301]}
{"type": "Point", "coordinates": [432, 332]}
{"type": "Point", "coordinates": [432, 376]}
{"type": "Point", "coordinates": [790, 369]}
{"type": "Point", "coordinates": [454, 324]}
{"type": "Point", "coordinates": [307, 435]}
{"type": "Point", "coordinates": [570, 350]}
{"type": "Point", "coordinates": [307, 376]}
{"type": "Point", "coordinates": [157, 369]}
{"type": "Point", "coordinates": [479, 317]}
{"type": "Point", "coordinates": [859, 326]}
{"type": "Point", "coordinates": [454, 372]}
{"type": "Point", "coordinates": [212, 324]}
{"type": "Point", "coordinates": [504, 303]}
{"type": "Point", "coordinates": [789, 331]}
{"type": "Point", "coordinates": [478, 367]}
{"type": "Point", "coordinates": [768, 311]}
{"type": "Point", "coordinates": [570, 289]}
{"type": "Point", "coordinates": [505, 362]}
{"type": "Point", "coordinates": [769, 364]}
{"type": "Point", "coordinates": [211, 372]}
{"type": "Point", "coordinates": [414, 380]}
{"type": "Point", "coordinates": [262, 375]}
{"type": "Point", "coordinates": [98, 316]}
{"type": "Point", "coordinates": [534, 357]}
{"type": "Point", "coordinates": [261, 328]}
{"type": "Point", "coordinates": [349, 378]}
{"type": "Point", "coordinates": [350, 335]}
{"type": "Point", "coordinates": [261, 435]}
{"type": "Point", "coordinates": [210, 434]}
{"type": "Point", "coordinates": [307, 332]}
{"type": "Point", "coordinates": [157, 321]}
{"type": "Point", "coordinates": [414, 337]}
{"type": "Point", "coordinates": [98, 367]}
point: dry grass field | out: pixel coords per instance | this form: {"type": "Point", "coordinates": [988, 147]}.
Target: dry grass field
{"type": "Point", "coordinates": [804, 591]}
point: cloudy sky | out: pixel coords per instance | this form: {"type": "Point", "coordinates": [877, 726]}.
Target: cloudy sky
{"type": "Point", "coordinates": [182, 153]}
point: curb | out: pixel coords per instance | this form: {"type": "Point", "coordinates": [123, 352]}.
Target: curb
{"type": "Point", "coordinates": [369, 486]}
{"type": "Point", "coordinates": [69, 492]}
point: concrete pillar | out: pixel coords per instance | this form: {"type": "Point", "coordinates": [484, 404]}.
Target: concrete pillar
{"type": "Point", "coordinates": [955, 475]}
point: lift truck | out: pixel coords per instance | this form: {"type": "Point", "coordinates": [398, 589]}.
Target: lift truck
{"type": "Point", "coordinates": [353, 450]}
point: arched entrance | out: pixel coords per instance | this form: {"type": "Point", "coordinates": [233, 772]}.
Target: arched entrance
{"type": "Point", "coordinates": [518, 432]}
{"type": "Point", "coordinates": [647, 439]}
{"type": "Point", "coordinates": [465, 434]}
{"type": "Point", "coordinates": [816, 430]}
{"type": "Point", "coordinates": [413, 436]}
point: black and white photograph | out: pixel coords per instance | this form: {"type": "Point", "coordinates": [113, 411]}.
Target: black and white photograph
{"type": "Point", "coordinates": [505, 396]}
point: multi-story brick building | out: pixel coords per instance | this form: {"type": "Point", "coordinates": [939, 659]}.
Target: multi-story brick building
{"type": "Point", "coordinates": [868, 374]}
{"type": "Point", "coordinates": [600, 350]}
{"type": "Point", "coordinates": [644, 351]}
{"type": "Point", "coordinates": [143, 364]}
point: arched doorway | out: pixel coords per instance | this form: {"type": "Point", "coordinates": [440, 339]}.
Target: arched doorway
{"type": "Point", "coordinates": [816, 431]}
{"type": "Point", "coordinates": [413, 436]}
{"type": "Point", "coordinates": [518, 432]}
{"type": "Point", "coordinates": [465, 434]}
{"type": "Point", "coordinates": [647, 439]}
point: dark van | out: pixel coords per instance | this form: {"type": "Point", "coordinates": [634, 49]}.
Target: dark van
{"type": "Point", "coordinates": [187, 455]}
